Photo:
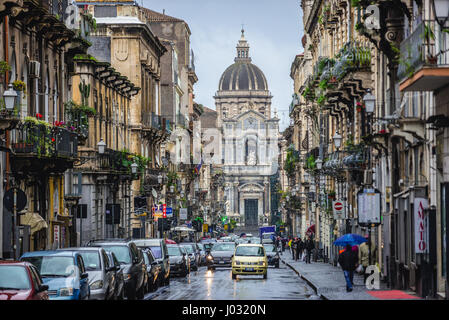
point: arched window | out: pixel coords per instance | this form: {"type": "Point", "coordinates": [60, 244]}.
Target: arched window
{"type": "Point", "coordinates": [55, 100]}
{"type": "Point", "coordinates": [46, 97]}
{"type": "Point", "coordinates": [13, 76]}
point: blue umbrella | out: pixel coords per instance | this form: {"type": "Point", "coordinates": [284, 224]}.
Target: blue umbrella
{"type": "Point", "coordinates": [349, 238]}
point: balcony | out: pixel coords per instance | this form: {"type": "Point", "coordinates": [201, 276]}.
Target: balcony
{"type": "Point", "coordinates": [39, 147]}
{"type": "Point", "coordinates": [424, 61]}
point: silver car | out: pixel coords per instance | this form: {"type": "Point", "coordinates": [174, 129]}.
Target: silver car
{"type": "Point", "coordinates": [101, 272]}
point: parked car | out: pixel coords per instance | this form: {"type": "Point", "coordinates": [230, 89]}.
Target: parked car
{"type": "Point", "coordinates": [159, 249]}
{"type": "Point", "coordinates": [21, 281]}
{"type": "Point", "coordinates": [272, 254]}
{"type": "Point", "coordinates": [194, 255]}
{"type": "Point", "coordinates": [220, 255]}
{"type": "Point", "coordinates": [179, 265]}
{"type": "Point", "coordinates": [154, 269]}
{"type": "Point", "coordinates": [133, 269]}
{"type": "Point", "coordinates": [63, 272]}
{"type": "Point", "coordinates": [249, 259]}
{"type": "Point", "coordinates": [101, 272]}
{"type": "Point", "coordinates": [202, 249]}
{"type": "Point", "coordinates": [119, 289]}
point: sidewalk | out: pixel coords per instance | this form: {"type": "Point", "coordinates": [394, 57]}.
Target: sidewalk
{"type": "Point", "coordinates": [330, 283]}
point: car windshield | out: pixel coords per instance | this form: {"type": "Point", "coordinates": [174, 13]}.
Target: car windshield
{"type": "Point", "coordinates": [188, 248]}
{"type": "Point", "coordinates": [14, 278]}
{"type": "Point", "coordinates": [91, 260]}
{"type": "Point", "coordinates": [201, 246]}
{"type": "Point", "coordinates": [269, 248]}
{"type": "Point", "coordinates": [121, 253]}
{"type": "Point", "coordinates": [53, 266]}
{"type": "Point", "coordinates": [157, 252]}
{"type": "Point", "coordinates": [223, 247]}
{"type": "Point", "coordinates": [174, 251]}
{"type": "Point", "coordinates": [249, 251]}
{"type": "Point", "coordinates": [267, 235]}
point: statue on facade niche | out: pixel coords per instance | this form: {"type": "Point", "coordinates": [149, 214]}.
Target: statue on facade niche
{"type": "Point", "coordinates": [252, 158]}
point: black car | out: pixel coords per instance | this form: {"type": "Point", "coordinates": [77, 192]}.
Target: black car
{"type": "Point", "coordinates": [119, 291]}
{"type": "Point", "coordinates": [179, 264]}
{"type": "Point", "coordinates": [220, 255]}
{"type": "Point", "coordinates": [159, 249]}
{"type": "Point", "coordinates": [272, 254]}
{"type": "Point", "coordinates": [154, 269]}
{"type": "Point", "coordinates": [194, 255]}
{"type": "Point", "coordinates": [132, 262]}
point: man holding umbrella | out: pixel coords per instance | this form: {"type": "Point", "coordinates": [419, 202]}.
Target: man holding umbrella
{"type": "Point", "coordinates": [349, 259]}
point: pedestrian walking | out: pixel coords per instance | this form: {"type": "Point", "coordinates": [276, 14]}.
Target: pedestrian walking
{"type": "Point", "coordinates": [290, 245]}
{"type": "Point", "coordinates": [309, 246]}
{"type": "Point", "coordinates": [348, 262]}
{"type": "Point", "coordinates": [284, 242]}
{"type": "Point", "coordinates": [299, 246]}
{"type": "Point", "coordinates": [363, 255]}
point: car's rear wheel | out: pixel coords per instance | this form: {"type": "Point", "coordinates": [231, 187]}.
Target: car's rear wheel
{"type": "Point", "coordinates": [234, 276]}
{"type": "Point", "coordinates": [265, 275]}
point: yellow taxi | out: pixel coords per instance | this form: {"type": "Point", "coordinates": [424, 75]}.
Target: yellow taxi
{"type": "Point", "coordinates": [248, 259]}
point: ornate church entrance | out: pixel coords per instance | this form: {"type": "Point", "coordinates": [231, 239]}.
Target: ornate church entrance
{"type": "Point", "coordinates": [251, 213]}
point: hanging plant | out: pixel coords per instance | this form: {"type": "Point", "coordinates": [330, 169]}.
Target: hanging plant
{"type": "Point", "coordinates": [19, 86]}
{"type": "Point", "coordinates": [4, 67]}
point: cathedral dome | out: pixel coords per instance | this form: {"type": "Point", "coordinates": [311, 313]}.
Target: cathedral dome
{"type": "Point", "coordinates": [243, 75]}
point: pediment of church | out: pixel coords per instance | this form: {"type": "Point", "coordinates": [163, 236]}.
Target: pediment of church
{"type": "Point", "coordinates": [251, 188]}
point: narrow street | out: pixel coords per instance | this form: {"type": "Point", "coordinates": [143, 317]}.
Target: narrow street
{"type": "Point", "coordinates": [282, 284]}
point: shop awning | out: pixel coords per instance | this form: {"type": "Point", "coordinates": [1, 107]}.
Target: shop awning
{"type": "Point", "coordinates": [34, 220]}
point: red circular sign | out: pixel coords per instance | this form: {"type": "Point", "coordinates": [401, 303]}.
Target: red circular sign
{"type": "Point", "coordinates": [338, 206]}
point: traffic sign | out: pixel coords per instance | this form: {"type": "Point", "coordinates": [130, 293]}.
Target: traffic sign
{"type": "Point", "coordinates": [169, 212]}
{"type": "Point", "coordinates": [21, 200]}
{"type": "Point", "coordinates": [339, 209]}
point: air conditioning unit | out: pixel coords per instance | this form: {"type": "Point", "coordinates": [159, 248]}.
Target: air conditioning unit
{"type": "Point", "coordinates": [34, 69]}
{"type": "Point", "coordinates": [368, 177]}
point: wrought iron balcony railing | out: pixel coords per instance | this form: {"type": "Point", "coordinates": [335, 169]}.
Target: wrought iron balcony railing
{"type": "Point", "coordinates": [428, 45]}
{"type": "Point", "coordinates": [42, 140]}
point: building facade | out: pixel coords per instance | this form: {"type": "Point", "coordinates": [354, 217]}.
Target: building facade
{"type": "Point", "coordinates": [249, 143]}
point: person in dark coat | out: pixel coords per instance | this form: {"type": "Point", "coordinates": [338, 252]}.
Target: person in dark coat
{"type": "Point", "coordinates": [299, 246]}
{"type": "Point", "coordinates": [296, 244]}
{"type": "Point", "coordinates": [309, 246]}
{"type": "Point", "coordinates": [348, 261]}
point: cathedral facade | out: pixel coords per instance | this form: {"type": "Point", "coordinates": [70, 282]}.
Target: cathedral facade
{"type": "Point", "coordinates": [249, 140]}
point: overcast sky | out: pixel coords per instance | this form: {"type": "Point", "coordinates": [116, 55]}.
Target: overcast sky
{"type": "Point", "coordinates": [272, 29]}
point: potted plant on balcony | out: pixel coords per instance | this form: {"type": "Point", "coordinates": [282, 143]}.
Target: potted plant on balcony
{"type": "Point", "coordinates": [4, 67]}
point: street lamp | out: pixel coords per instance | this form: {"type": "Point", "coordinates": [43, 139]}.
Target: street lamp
{"type": "Point", "coordinates": [370, 102]}
{"type": "Point", "coordinates": [337, 140]}
{"type": "Point", "coordinates": [9, 96]}
{"type": "Point", "coordinates": [172, 189]}
{"type": "Point", "coordinates": [159, 179]}
{"type": "Point", "coordinates": [101, 146]}
{"type": "Point", "coordinates": [134, 167]}
{"type": "Point", "coordinates": [319, 164]}
{"type": "Point", "coordinates": [441, 11]}
{"type": "Point", "coordinates": [306, 177]}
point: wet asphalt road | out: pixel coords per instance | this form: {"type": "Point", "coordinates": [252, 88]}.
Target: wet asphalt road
{"type": "Point", "coordinates": [281, 284]}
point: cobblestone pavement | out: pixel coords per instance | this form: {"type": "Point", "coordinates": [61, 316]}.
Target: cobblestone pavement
{"type": "Point", "coordinates": [329, 281]}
